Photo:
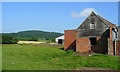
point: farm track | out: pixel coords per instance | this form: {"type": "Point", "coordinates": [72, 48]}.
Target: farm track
{"type": "Point", "coordinates": [30, 42]}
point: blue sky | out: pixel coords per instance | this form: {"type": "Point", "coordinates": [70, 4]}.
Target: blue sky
{"type": "Point", "coordinates": [52, 16]}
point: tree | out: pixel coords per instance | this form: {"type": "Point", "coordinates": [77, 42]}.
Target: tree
{"type": "Point", "coordinates": [53, 40]}
{"type": "Point", "coordinates": [7, 39]}
{"type": "Point", "coordinates": [33, 39]}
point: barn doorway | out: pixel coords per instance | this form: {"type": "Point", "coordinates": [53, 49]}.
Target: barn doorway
{"type": "Point", "coordinates": [93, 44]}
{"type": "Point", "coordinates": [93, 41]}
{"type": "Point", "coordinates": [60, 41]}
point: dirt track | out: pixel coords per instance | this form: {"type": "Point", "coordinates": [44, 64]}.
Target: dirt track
{"type": "Point", "coordinates": [30, 42]}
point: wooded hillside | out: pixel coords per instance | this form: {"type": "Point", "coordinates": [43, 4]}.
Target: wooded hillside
{"type": "Point", "coordinates": [35, 34]}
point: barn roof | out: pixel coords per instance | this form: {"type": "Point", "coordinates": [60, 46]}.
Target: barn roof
{"type": "Point", "coordinates": [106, 22]}
{"type": "Point", "coordinates": [60, 37]}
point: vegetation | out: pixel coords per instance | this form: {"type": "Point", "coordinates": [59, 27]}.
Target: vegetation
{"type": "Point", "coordinates": [35, 35]}
{"type": "Point", "coordinates": [33, 39]}
{"type": "Point", "coordinates": [7, 39]}
{"type": "Point", "coordinates": [32, 57]}
{"type": "Point", "coordinates": [52, 40]}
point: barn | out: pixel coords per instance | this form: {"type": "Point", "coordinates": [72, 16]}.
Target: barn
{"type": "Point", "coordinates": [60, 39]}
{"type": "Point", "coordinates": [94, 34]}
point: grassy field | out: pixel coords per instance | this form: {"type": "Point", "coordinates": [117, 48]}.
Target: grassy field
{"type": "Point", "coordinates": [31, 57]}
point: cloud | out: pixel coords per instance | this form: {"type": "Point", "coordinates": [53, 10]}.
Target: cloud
{"type": "Point", "coordinates": [84, 13]}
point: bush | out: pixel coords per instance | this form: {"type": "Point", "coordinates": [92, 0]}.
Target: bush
{"type": "Point", "coordinates": [70, 52]}
{"type": "Point", "coordinates": [53, 40]}
{"type": "Point", "coordinates": [33, 39]}
{"type": "Point", "coordinates": [7, 39]}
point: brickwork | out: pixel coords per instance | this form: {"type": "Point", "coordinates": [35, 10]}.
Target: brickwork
{"type": "Point", "coordinates": [118, 48]}
{"type": "Point", "coordinates": [99, 38]}
{"type": "Point", "coordinates": [110, 44]}
{"type": "Point", "coordinates": [102, 45]}
{"type": "Point", "coordinates": [82, 44]}
{"type": "Point", "coordinates": [70, 39]}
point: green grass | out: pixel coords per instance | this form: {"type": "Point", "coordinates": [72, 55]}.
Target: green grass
{"type": "Point", "coordinates": [30, 57]}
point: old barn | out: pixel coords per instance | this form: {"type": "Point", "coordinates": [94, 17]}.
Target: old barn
{"type": "Point", "coordinates": [94, 34]}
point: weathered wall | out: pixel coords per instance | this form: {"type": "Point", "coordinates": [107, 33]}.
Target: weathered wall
{"type": "Point", "coordinates": [82, 44]}
{"type": "Point", "coordinates": [99, 27]}
{"type": "Point", "coordinates": [118, 48]}
{"type": "Point", "coordinates": [70, 39]}
{"type": "Point", "coordinates": [110, 44]}
{"type": "Point", "coordinates": [93, 27]}
{"type": "Point", "coordinates": [102, 45]}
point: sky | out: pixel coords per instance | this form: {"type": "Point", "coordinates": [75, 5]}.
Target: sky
{"type": "Point", "coordinates": [53, 16]}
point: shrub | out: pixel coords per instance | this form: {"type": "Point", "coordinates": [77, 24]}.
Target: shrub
{"type": "Point", "coordinates": [70, 52]}
{"type": "Point", "coordinates": [7, 39]}
{"type": "Point", "coordinates": [33, 39]}
{"type": "Point", "coordinates": [53, 40]}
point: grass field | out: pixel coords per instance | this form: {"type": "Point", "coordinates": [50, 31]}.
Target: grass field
{"type": "Point", "coordinates": [31, 57]}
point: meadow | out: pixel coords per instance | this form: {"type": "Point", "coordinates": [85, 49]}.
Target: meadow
{"type": "Point", "coordinates": [35, 57]}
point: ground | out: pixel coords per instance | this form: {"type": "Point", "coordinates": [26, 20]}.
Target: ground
{"type": "Point", "coordinates": [29, 42]}
{"type": "Point", "coordinates": [47, 57]}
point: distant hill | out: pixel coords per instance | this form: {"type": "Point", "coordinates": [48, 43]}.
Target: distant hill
{"type": "Point", "coordinates": [27, 35]}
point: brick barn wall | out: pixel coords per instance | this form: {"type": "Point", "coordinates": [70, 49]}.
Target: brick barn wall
{"type": "Point", "coordinates": [118, 48]}
{"type": "Point", "coordinates": [70, 39]}
{"type": "Point", "coordinates": [102, 45]}
{"type": "Point", "coordinates": [110, 44]}
{"type": "Point", "coordinates": [82, 44]}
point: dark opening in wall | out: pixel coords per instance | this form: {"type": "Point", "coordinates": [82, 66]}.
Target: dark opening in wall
{"type": "Point", "coordinates": [60, 41]}
{"type": "Point", "coordinates": [93, 41]}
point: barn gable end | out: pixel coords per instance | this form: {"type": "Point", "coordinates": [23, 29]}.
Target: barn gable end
{"type": "Point", "coordinates": [94, 26]}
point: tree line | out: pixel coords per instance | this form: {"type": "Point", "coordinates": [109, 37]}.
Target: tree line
{"type": "Point", "coordinates": [31, 35]}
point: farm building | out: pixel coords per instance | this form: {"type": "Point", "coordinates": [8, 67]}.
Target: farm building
{"type": "Point", "coordinates": [60, 39]}
{"type": "Point", "coordinates": [94, 34]}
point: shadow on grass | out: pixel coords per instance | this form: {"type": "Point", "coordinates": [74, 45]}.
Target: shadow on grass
{"type": "Point", "coordinates": [62, 48]}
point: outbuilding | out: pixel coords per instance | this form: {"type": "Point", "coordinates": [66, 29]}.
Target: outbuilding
{"type": "Point", "coordinates": [60, 39]}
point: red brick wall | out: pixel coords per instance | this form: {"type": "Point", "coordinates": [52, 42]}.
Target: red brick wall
{"type": "Point", "coordinates": [102, 45]}
{"type": "Point", "coordinates": [82, 44]}
{"type": "Point", "coordinates": [70, 39]}
{"type": "Point", "coordinates": [111, 33]}
{"type": "Point", "coordinates": [110, 44]}
{"type": "Point", "coordinates": [118, 48]}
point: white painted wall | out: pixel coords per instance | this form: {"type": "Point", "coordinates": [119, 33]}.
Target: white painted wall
{"type": "Point", "coordinates": [60, 37]}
